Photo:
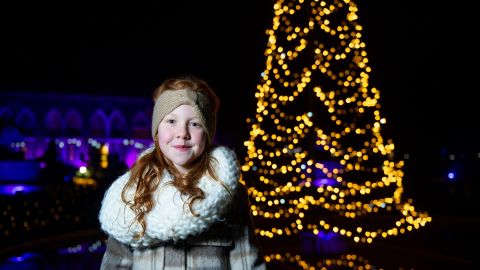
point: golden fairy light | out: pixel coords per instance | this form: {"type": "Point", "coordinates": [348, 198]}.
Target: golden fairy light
{"type": "Point", "coordinates": [316, 159]}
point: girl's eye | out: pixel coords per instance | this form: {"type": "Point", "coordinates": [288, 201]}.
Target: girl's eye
{"type": "Point", "coordinates": [195, 124]}
{"type": "Point", "coordinates": [170, 121]}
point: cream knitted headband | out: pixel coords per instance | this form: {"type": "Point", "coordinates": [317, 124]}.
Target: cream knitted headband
{"type": "Point", "coordinates": [171, 99]}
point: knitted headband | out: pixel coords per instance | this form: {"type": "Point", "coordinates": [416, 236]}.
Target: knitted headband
{"type": "Point", "coordinates": [171, 99]}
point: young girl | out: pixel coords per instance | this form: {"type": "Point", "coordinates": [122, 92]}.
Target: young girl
{"type": "Point", "coordinates": [181, 205]}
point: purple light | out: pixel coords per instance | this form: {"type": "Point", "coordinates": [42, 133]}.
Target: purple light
{"type": "Point", "coordinates": [75, 152]}
{"type": "Point", "coordinates": [131, 158]}
{"type": "Point", "coordinates": [323, 242]}
{"type": "Point", "coordinates": [23, 257]}
{"type": "Point", "coordinates": [326, 235]}
{"type": "Point", "coordinates": [325, 182]}
{"type": "Point", "coordinates": [77, 163]}
{"type": "Point", "coordinates": [13, 189]}
{"type": "Point", "coordinates": [18, 189]}
{"type": "Point", "coordinates": [17, 259]}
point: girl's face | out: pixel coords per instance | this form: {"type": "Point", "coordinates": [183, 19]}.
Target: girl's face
{"type": "Point", "coordinates": [181, 137]}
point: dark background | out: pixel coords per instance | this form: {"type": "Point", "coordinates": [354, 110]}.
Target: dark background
{"type": "Point", "coordinates": [422, 56]}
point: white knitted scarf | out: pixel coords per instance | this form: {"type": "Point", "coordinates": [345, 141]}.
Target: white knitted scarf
{"type": "Point", "coordinates": [170, 218]}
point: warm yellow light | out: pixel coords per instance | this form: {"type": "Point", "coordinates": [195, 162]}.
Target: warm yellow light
{"type": "Point", "coordinates": [339, 118]}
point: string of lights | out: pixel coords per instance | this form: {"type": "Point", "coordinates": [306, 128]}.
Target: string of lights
{"type": "Point", "coordinates": [347, 261]}
{"type": "Point", "coordinates": [316, 159]}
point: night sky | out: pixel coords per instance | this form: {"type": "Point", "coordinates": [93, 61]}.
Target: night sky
{"type": "Point", "coordinates": [418, 54]}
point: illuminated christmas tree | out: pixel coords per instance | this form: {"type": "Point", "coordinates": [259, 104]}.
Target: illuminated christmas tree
{"type": "Point", "coordinates": [316, 160]}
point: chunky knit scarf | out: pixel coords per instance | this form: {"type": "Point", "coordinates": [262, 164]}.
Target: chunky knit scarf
{"type": "Point", "coordinates": [170, 219]}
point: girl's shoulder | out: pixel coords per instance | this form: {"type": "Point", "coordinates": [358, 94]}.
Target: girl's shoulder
{"type": "Point", "coordinates": [226, 159]}
{"type": "Point", "coordinates": [226, 165]}
{"type": "Point", "coordinates": [223, 151]}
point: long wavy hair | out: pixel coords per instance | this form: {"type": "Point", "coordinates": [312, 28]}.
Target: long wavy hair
{"type": "Point", "coordinates": [146, 173]}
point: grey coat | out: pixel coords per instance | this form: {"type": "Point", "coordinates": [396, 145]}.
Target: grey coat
{"type": "Point", "coordinates": [226, 245]}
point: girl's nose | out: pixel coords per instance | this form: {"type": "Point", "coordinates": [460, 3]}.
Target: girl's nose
{"type": "Point", "coordinates": [182, 132]}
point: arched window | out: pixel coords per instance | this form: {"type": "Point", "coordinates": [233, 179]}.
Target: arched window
{"type": "Point", "coordinates": [8, 129]}
{"type": "Point", "coordinates": [74, 123]}
{"type": "Point", "coordinates": [141, 126]}
{"type": "Point", "coordinates": [26, 121]}
{"type": "Point", "coordinates": [54, 123]}
{"type": "Point", "coordinates": [118, 125]}
{"type": "Point", "coordinates": [6, 117]}
{"type": "Point", "coordinates": [99, 124]}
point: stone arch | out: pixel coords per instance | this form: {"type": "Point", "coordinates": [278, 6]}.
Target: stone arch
{"type": "Point", "coordinates": [73, 123]}
{"type": "Point", "coordinates": [141, 125]}
{"type": "Point", "coordinates": [99, 124]}
{"type": "Point", "coordinates": [54, 122]}
{"type": "Point", "coordinates": [8, 128]}
{"type": "Point", "coordinates": [118, 125]}
{"type": "Point", "coordinates": [26, 121]}
{"type": "Point", "coordinates": [6, 117]}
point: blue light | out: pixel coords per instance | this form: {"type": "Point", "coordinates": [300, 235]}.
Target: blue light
{"type": "Point", "coordinates": [12, 189]}
{"type": "Point", "coordinates": [23, 257]}
{"type": "Point", "coordinates": [451, 175]}
{"type": "Point", "coordinates": [327, 235]}
{"type": "Point", "coordinates": [19, 170]}
{"type": "Point", "coordinates": [321, 182]}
